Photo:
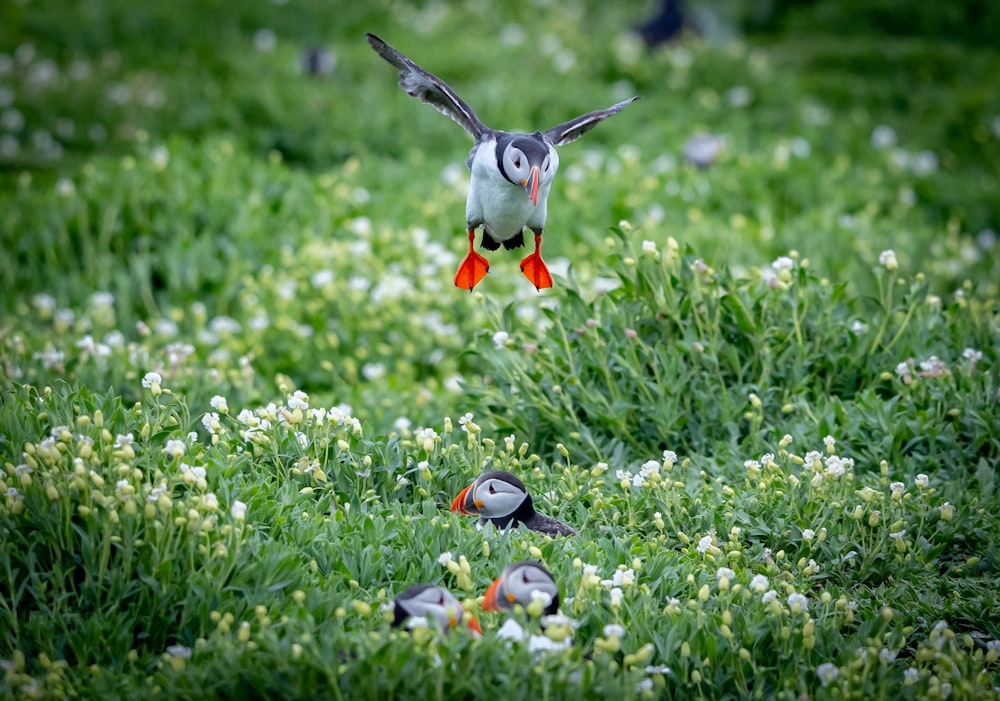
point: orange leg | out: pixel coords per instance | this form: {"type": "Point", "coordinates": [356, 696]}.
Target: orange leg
{"type": "Point", "coordinates": [473, 268]}
{"type": "Point", "coordinates": [534, 267]}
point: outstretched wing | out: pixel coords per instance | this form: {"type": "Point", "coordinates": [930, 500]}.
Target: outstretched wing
{"type": "Point", "coordinates": [570, 131]}
{"type": "Point", "coordinates": [429, 88]}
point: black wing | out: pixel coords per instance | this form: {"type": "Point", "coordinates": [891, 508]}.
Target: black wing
{"type": "Point", "coordinates": [548, 525]}
{"type": "Point", "coordinates": [570, 131]}
{"type": "Point", "coordinates": [429, 88]}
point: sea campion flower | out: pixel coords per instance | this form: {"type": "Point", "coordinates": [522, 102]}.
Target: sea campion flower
{"type": "Point", "coordinates": [922, 481]}
{"type": "Point", "coordinates": [760, 583]}
{"type": "Point", "coordinates": [466, 423]}
{"type": "Point", "coordinates": [238, 510]}
{"type": "Point", "coordinates": [196, 475]}
{"type": "Point", "coordinates": [425, 438]}
{"type": "Point", "coordinates": [211, 422]}
{"type": "Point", "coordinates": [947, 511]}
{"type": "Point", "coordinates": [933, 367]}
{"type": "Point", "coordinates": [830, 443]}
{"type": "Point", "coordinates": [616, 597]}
{"type": "Point", "coordinates": [887, 259]}
{"type": "Point", "coordinates": [834, 466]}
{"type": "Point", "coordinates": [798, 603]}
{"type": "Point", "coordinates": [614, 630]}
{"type": "Point", "coordinates": [705, 544]}
{"type": "Point", "coordinates": [175, 448]}
{"type": "Point", "coordinates": [903, 370]}
{"type": "Point", "coordinates": [827, 672]}
{"type": "Point", "coordinates": [783, 263]}
{"type": "Point", "coordinates": [621, 578]}
{"type": "Point", "coordinates": [500, 339]}
{"type": "Point", "coordinates": [152, 382]}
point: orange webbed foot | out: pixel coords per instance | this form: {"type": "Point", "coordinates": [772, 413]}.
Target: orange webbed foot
{"type": "Point", "coordinates": [534, 267]}
{"type": "Point", "coordinates": [473, 268]}
{"type": "Point", "coordinates": [536, 271]}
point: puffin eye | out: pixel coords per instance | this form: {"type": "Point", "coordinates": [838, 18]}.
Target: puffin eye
{"type": "Point", "coordinates": [493, 490]}
{"type": "Point", "coordinates": [517, 162]}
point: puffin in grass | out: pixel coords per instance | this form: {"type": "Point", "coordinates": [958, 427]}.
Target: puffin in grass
{"type": "Point", "coordinates": [414, 606]}
{"type": "Point", "coordinates": [522, 584]}
{"type": "Point", "coordinates": [511, 172]}
{"type": "Point", "coordinates": [500, 498]}
{"type": "Point", "coordinates": [527, 589]}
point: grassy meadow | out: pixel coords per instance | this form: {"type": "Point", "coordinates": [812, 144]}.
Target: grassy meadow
{"type": "Point", "coordinates": [238, 389]}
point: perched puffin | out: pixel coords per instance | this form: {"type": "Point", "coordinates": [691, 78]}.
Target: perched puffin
{"type": "Point", "coordinates": [501, 498]}
{"type": "Point", "coordinates": [422, 600]}
{"type": "Point", "coordinates": [511, 173]}
{"type": "Point", "coordinates": [521, 583]}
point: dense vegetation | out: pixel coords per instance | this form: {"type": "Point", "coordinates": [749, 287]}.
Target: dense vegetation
{"type": "Point", "coordinates": [238, 390]}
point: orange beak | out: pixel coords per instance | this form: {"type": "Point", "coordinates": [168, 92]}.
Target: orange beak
{"type": "Point", "coordinates": [531, 185]}
{"type": "Point", "coordinates": [490, 600]}
{"type": "Point", "coordinates": [460, 505]}
{"type": "Point", "coordinates": [474, 625]}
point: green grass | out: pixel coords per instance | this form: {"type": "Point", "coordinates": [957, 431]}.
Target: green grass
{"type": "Point", "coordinates": [778, 441]}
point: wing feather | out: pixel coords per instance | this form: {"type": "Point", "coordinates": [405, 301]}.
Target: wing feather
{"type": "Point", "coordinates": [570, 131]}
{"type": "Point", "coordinates": [429, 88]}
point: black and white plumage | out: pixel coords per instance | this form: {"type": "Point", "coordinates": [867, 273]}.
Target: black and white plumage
{"type": "Point", "coordinates": [511, 173]}
{"type": "Point", "coordinates": [416, 603]}
{"type": "Point", "coordinates": [522, 583]}
{"type": "Point", "coordinates": [500, 498]}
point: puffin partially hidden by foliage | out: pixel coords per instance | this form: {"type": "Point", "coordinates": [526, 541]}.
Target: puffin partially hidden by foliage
{"type": "Point", "coordinates": [500, 498]}
{"type": "Point", "coordinates": [511, 173]}
{"type": "Point", "coordinates": [521, 584]}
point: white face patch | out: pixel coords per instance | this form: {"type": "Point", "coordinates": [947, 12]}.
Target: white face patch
{"type": "Point", "coordinates": [498, 498]}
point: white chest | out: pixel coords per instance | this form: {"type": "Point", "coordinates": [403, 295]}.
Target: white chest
{"type": "Point", "coordinates": [503, 208]}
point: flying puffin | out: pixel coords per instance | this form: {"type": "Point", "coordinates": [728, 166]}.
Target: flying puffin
{"type": "Point", "coordinates": [501, 498]}
{"type": "Point", "coordinates": [511, 173]}
{"type": "Point", "coordinates": [521, 583]}
{"type": "Point", "coordinates": [422, 600]}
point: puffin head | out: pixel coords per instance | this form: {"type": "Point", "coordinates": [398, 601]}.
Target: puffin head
{"type": "Point", "coordinates": [423, 600]}
{"type": "Point", "coordinates": [494, 494]}
{"type": "Point", "coordinates": [529, 161]}
{"type": "Point", "coordinates": [522, 583]}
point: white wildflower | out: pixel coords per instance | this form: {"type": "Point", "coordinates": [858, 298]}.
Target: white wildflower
{"type": "Point", "coordinates": [175, 448]}
{"type": "Point", "coordinates": [238, 510]}
{"type": "Point", "coordinates": [798, 603]}
{"type": "Point", "coordinates": [827, 672]}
